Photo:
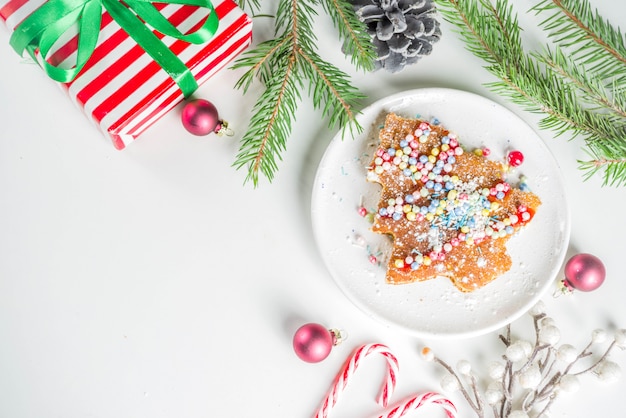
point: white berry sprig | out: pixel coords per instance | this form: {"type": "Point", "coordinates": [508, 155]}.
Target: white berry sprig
{"type": "Point", "coordinates": [531, 375]}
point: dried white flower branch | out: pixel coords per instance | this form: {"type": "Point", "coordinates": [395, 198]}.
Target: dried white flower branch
{"type": "Point", "coordinates": [531, 376]}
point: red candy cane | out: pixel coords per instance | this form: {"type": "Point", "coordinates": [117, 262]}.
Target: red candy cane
{"type": "Point", "coordinates": [387, 389]}
{"type": "Point", "coordinates": [350, 367]}
{"type": "Point", "coordinates": [418, 401]}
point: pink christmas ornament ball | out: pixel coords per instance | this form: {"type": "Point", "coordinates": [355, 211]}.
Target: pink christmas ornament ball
{"type": "Point", "coordinates": [313, 342]}
{"type": "Point", "coordinates": [584, 272]}
{"type": "Point", "coordinates": [200, 117]}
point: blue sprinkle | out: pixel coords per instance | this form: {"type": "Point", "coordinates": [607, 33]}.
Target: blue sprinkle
{"type": "Point", "coordinates": [451, 159]}
{"type": "Point", "coordinates": [382, 211]}
{"type": "Point", "coordinates": [412, 160]}
{"type": "Point", "coordinates": [423, 159]}
{"type": "Point", "coordinates": [403, 143]}
{"type": "Point", "coordinates": [445, 140]}
{"type": "Point", "coordinates": [430, 184]}
{"type": "Point", "coordinates": [391, 151]}
{"type": "Point", "coordinates": [409, 198]}
{"type": "Point", "coordinates": [407, 172]}
{"type": "Point", "coordinates": [435, 121]}
{"type": "Point", "coordinates": [524, 187]}
{"type": "Point", "coordinates": [449, 185]}
{"type": "Point", "coordinates": [415, 265]}
{"type": "Point", "coordinates": [509, 229]}
{"type": "Point", "coordinates": [500, 195]}
{"type": "Point", "coordinates": [397, 216]}
{"type": "Point", "coordinates": [438, 187]}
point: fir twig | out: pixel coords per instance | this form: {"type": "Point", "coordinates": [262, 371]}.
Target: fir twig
{"type": "Point", "coordinates": [286, 65]}
{"type": "Point", "coordinates": [592, 40]}
{"type": "Point", "coordinates": [576, 85]}
{"type": "Point", "coordinates": [357, 42]}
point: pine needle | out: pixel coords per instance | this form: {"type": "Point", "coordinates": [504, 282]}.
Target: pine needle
{"type": "Point", "coordinates": [287, 65]}
{"type": "Point", "coordinates": [251, 5]}
{"type": "Point", "coordinates": [576, 84]}
{"type": "Point", "coordinates": [357, 42]}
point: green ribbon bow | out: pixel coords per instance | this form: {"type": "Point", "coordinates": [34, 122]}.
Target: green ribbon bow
{"type": "Point", "coordinates": [48, 23]}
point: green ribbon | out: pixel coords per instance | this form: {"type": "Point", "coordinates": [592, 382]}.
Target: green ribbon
{"type": "Point", "coordinates": [43, 28]}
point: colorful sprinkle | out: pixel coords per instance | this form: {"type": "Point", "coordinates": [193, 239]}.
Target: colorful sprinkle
{"type": "Point", "coordinates": [515, 158]}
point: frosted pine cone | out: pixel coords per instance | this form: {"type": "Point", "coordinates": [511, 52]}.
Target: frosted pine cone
{"type": "Point", "coordinates": [402, 31]}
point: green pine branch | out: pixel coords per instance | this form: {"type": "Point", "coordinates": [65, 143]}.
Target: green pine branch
{"type": "Point", "coordinates": [289, 64]}
{"type": "Point", "coordinates": [590, 38]}
{"type": "Point", "coordinates": [575, 84]}
{"type": "Point", "coordinates": [357, 41]}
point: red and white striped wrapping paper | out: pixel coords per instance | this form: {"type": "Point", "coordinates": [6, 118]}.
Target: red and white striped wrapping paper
{"type": "Point", "coordinates": [121, 88]}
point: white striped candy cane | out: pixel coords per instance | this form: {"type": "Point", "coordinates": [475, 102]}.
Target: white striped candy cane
{"type": "Point", "coordinates": [348, 370]}
{"type": "Point", "coordinates": [417, 401]}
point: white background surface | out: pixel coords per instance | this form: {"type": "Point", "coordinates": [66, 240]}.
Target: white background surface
{"type": "Point", "coordinates": [153, 283]}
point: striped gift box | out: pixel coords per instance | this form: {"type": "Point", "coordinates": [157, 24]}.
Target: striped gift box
{"type": "Point", "coordinates": [121, 88]}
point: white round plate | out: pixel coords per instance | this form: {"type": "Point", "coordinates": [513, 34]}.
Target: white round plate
{"type": "Point", "coordinates": [435, 308]}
